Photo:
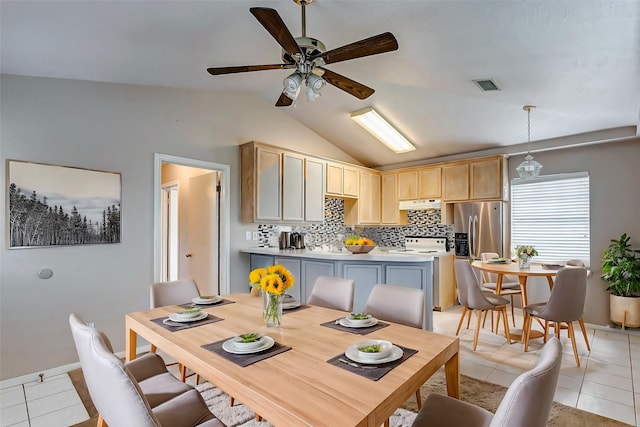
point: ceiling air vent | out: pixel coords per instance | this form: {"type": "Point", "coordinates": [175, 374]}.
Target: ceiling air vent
{"type": "Point", "coordinates": [487, 85]}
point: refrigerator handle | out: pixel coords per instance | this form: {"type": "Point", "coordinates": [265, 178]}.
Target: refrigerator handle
{"type": "Point", "coordinates": [470, 237]}
{"type": "Point", "coordinates": [475, 236]}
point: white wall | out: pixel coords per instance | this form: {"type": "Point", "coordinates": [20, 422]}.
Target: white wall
{"type": "Point", "coordinates": [115, 128]}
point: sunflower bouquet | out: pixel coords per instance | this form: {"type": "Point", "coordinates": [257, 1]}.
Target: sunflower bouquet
{"type": "Point", "coordinates": [273, 281]}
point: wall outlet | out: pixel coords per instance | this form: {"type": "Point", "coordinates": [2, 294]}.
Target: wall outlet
{"type": "Point", "coordinates": [255, 235]}
{"type": "Point", "coordinates": [247, 235]}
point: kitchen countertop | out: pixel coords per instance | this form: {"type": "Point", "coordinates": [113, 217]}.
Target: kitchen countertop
{"type": "Point", "coordinates": [378, 254]}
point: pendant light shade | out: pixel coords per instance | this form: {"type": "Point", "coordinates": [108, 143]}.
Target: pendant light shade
{"type": "Point", "coordinates": [529, 168]}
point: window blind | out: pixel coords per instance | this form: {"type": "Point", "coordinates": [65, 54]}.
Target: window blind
{"type": "Point", "coordinates": [551, 213]}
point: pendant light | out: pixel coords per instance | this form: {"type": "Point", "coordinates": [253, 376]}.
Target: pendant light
{"type": "Point", "coordinates": [529, 168]}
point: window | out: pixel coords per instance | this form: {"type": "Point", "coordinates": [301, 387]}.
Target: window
{"type": "Point", "coordinates": [551, 213]}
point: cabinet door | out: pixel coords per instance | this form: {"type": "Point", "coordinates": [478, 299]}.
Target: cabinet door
{"type": "Point", "coordinates": [334, 179]}
{"type": "Point", "coordinates": [366, 277]}
{"type": "Point", "coordinates": [294, 267]}
{"type": "Point", "coordinates": [269, 174]}
{"type": "Point", "coordinates": [350, 182]}
{"type": "Point", "coordinates": [408, 185]}
{"type": "Point", "coordinates": [486, 179]}
{"type": "Point", "coordinates": [407, 276]}
{"type": "Point", "coordinates": [310, 272]}
{"type": "Point", "coordinates": [430, 183]}
{"type": "Point", "coordinates": [314, 190]}
{"type": "Point", "coordinates": [389, 212]}
{"type": "Point", "coordinates": [292, 187]}
{"type": "Point", "coordinates": [455, 184]}
{"type": "Point", "coordinates": [369, 199]}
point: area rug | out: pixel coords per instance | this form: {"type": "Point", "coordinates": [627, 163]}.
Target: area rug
{"type": "Point", "coordinates": [477, 392]}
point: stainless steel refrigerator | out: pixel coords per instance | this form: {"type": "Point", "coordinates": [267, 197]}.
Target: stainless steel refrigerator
{"type": "Point", "coordinates": [478, 227]}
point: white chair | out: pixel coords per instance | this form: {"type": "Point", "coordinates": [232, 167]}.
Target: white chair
{"type": "Point", "coordinates": [527, 402]}
{"type": "Point", "coordinates": [140, 393]}
{"type": "Point", "coordinates": [510, 285]}
{"type": "Point", "coordinates": [397, 304]}
{"type": "Point", "coordinates": [174, 293]}
{"type": "Point", "coordinates": [332, 292]}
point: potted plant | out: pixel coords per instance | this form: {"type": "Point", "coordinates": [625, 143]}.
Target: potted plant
{"type": "Point", "coordinates": [621, 271]}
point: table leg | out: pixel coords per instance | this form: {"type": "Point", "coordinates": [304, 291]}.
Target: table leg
{"type": "Point", "coordinates": [131, 339]}
{"type": "Point", "coordinates": [452, 372]}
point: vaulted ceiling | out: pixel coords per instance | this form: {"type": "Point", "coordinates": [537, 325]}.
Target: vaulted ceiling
{"type": "Point", "coordinates": [577, 61]}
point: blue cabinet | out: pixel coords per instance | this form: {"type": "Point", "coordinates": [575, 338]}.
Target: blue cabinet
{"type": "Point", "coordinates": [366, 276]}
{"type": "Point", "coordinates": [310, 272]}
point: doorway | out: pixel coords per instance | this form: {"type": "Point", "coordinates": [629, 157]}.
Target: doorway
{"type": "Point", "coordinates": [201, 218]}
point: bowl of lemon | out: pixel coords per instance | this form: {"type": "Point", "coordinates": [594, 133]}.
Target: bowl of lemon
{"type": "Point", "coordinates": [359, 245]}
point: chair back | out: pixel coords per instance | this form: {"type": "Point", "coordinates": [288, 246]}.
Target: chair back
{"type": "Point", "coordinates": [173, 292]}
{"type": "Point", "coordinates": [566, 302]}
{"type": "Point", "coordinates": [114, 392]}
{"type": "Point", "coordinates": [493, 277]}
{"type": "Point", "coordinates": [396, 304]}
{"type": "Point", "coordinates": [528, 399]}
{"type": "Point", "coordinates": [332, 292]}
{"type": "Point", "coordinates": [469, 293]}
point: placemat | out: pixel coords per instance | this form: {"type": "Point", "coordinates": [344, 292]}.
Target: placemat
{"type": "Point", "coordinates": [178, 326]}
{"type": "Point", "coordinates": [245, 359]}
{"type": "Point", "coordinates": [217, 304]}
{"type": "Point", "coordinates": [291, 310]}
{"type": "Point", "coordinates": [359, 331]}
{"type": "Point", "coordinates": [373, 372]}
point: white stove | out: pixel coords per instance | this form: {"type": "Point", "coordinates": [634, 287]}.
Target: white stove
{"type": "Point", "coordinates": [422, 245]}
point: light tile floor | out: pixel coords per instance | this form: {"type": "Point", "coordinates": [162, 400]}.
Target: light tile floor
{"type": "Point", "coordinates": [607, 381]}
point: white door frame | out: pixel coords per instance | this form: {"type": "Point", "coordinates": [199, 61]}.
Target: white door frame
{"type": "Point", "coordinates": [225, 213]}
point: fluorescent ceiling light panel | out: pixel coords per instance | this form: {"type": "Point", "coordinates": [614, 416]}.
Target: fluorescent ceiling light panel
{"type": "Point", "coordinates": [369, 119]}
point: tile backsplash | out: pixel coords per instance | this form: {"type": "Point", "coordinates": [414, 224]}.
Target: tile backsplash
{"type": "Point", "coordinates": [424, 223]}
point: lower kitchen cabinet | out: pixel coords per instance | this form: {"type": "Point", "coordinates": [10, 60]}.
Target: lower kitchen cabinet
{"type": "Point", "coordinates": [366, 277]}
{"type": "Point", "coordinates": [310, 272]}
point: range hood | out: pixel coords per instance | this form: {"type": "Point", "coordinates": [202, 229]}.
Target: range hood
{"type": "Point", "coordinates": [423, 204]}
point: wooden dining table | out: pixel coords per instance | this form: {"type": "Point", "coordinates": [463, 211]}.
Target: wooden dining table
{"type": "Point", "coordinates": [300, 386]}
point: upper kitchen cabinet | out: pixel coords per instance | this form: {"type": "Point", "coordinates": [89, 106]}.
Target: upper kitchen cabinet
{"type": "Point", "coordinates": [274, 188]}
{"type": "Point", "coordinates": [390, 214]}
{"type": "Point", "coordinates": [430, 183]}
{"type": "Point", "coordinates": [366, 210]}
{"type": "Point", "coordinates": [408, 185]}
{"type": "Point", "coordinates": [314, 190]}
{"type": "Point", "coordinates": [487, 178]}
{"type": "Point", "coordinates": [342, 180]}
{"type": "Point", "coordinates": [455, 182]}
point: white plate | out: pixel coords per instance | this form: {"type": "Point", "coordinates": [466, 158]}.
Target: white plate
{"type": "Point", "coordinates": [230, 347]}
{"type": "Point", "coordinates": [198, 300]}
{"type": "Point", "coordinates": [347, 324]}
{"type": "Point", "coordinates": [498, 261]}
{"type": "Point", "coordinates": [290, 305]}
{"type": "Point", "coordinates": [352, 353]}
{"type": "Point", "coordinates": [175, 318]}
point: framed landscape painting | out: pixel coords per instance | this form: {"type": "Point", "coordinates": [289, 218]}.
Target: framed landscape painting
{"type": "Point", "coordinates": [53, 205]}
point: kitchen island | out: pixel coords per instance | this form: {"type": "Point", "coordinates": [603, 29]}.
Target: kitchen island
{"type": "Point", "coordinates": [377, 266]}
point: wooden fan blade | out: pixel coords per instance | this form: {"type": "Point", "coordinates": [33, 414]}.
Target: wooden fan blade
{"type": "Point", "coordinates": [284, 101]}
{"type": "Point", "coordinates": [272, 22]}
{"type": "Point", "coordinates": [246, 68]}
{"type": "Point", "coordinates": [381, 43]}
{"type": "Point", "coordinates": [352, 87]}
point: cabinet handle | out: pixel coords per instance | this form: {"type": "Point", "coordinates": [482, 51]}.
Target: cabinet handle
{"type": "Point", "coordinates": [188, 255]}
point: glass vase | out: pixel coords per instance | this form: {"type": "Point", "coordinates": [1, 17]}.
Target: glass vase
{"type": "Point", "coordinates": [272, 311]}
{"type": "Point", "coordinates": [524, 261]}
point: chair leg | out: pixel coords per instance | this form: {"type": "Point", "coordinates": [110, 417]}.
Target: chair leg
{"type": "Point", "coordinates": [464, 310]}
{"type": "Point", "coordinates": [557, 329]}
{"type": "Point", "coordinates": [546, 331]}
{"type": "Point", "coordinates": [526, 329]}
{"type": "Point", "coordinates": [513, 312]}
{"type": "Point", "coordinates": [584, 333]}
{"type": "Point", "coordinates": [572, 335]}
{"type": "Point", "coordinates": [419, 399]}
{"type": "Point", "coordinates": [231, 401]}
{"type": "Point", "coordinates": [469, 318]}
{"type": "Point", "coordinates": [475, 336]}
{"type": "Point", "coordinates": [505, 322]}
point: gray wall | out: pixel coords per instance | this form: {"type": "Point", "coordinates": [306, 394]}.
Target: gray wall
{"type": "Point", "coordinates": [115, 128]}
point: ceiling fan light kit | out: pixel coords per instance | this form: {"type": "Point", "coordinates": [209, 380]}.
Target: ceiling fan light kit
{"type": "Point", "coordinates": [377, 126]}
{"type": "Point", "coordinates": [529, 168]}
{"type": "Point", "coordinates": [308, 56]}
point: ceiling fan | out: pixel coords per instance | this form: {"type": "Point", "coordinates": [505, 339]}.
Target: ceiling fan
{"type": "Point", "coordinates": [308, 56]}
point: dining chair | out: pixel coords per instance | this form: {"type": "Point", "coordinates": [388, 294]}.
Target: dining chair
{"type": "Point", "coordinates": [472, 298]}
{"type": "Point", "coordinates": [565, 305]}
{"type": "Point", "coordinates": [510, 284]}
{"type": "Point", "coordinates": [399, 305]}
{"type": "Point", "coordinates": [174, 292]}
{"type": "Point", "coordinates": [332, 292]}
{"type": "Point", "coordinates": [580, 263]}
{"type": "Point", "coordinates": [527, 402]}
{"type": "Point", "coordinates": [139, 393]}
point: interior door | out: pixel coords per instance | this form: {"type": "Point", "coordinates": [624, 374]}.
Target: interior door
{"type": "Point", "coordinates": [203, 232]}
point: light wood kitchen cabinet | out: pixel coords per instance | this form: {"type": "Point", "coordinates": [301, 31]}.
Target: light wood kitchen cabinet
{"type": "Point", "coordinates": [390, 214]}
{"type": "Point", "coordinates": [408, 185]}
{"type": "Point", "coordinates": [368, 204]}
{"type": "Point", "coordinates": [455, 182]}
{"type": "Point", "coordinates": [430, 183]}
{"type": "Point", "coordinates": [293, 195]}
{"type": "Point", "coordinates": [342, 180]}
{"type": "Point", "coordinates": [314, 190]}
{"type": "Point", "coordinates": [486, 178]}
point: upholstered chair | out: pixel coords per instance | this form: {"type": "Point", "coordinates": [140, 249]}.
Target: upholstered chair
{"type": "Point", "coordinates": [332, 292]}
{"type": "Point", "coordinates": [472, 298]}
{"type": "Point", "coordinates": [527, 402]}
{"type": "Point", "coordinates": [140, 393]}
{"type": "Point", "coordinates": [565, 306]}
{"type": "Point", "coordinates": [510, 285]}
